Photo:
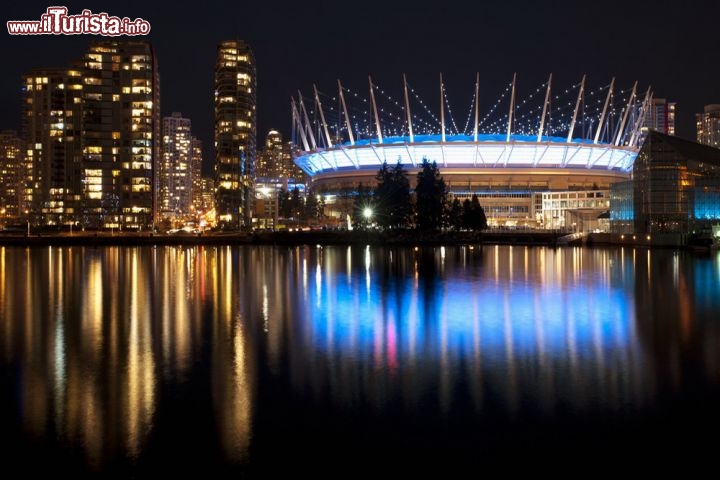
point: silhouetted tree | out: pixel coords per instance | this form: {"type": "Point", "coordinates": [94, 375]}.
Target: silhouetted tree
{"type": "Point", "coordinates": [296, 203]}
{"type": "Point", "coordinates": [284, 206]}
{"type": "Point", "coordinates": [466, 214]}
{"type": "Point", "coordinates": [455, 215]}
{"type": "Point", "coordinates": [392, 196]}
{"type": "Point", "coordinates": [313, 207]}
{"type": "Point", "coordinates": [473, 214]}
{"type": "Point", "coordinates": [483, 224]}
{"type": "Point", "coordinates": [430, 194]}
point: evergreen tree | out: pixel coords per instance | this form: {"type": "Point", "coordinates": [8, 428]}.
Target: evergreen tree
{"type": "Point", "coordinates": [430, 194]}
{"type": "Point", "coordinates": [455, 215]}
{"type": "Point", "coordinates": [401, 197]}
{"type": "Point", "coordinates": [382, 194]}
{"type": "Point", "coordinates": [473, 214]}
{"type": "Point", "coordinates": [476, 216]}
{"type": "Point", "coordinates": [482, 219]}
{"type": "Point", "coordinates": [392, 196]}
{"type": "Point", "coordinates": [466, 214]}
{"type": "Point", "coordinates": [284, 203]}
{"type": "Point", "coordinates": [296, 203]}
{"type": "Point", "coordinates": [310, 209]}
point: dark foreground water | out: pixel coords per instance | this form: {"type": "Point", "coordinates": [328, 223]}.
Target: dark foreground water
{"type": "Point", "coordinates": [233, 361]}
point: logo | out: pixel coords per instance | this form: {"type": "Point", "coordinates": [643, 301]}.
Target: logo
{"type": "Point", "coordinates": [56, 21]}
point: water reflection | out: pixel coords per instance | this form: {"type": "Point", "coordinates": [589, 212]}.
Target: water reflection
{"type": "Point", "coordinates": [112, 349]}
{"type": "Point", "coordinates": [514, 321]}
{"type": "Point", "coordinates": [97, 333]}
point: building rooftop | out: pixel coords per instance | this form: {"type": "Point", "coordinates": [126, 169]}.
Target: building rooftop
{"type": "Point", "coordinates": [688, 149]}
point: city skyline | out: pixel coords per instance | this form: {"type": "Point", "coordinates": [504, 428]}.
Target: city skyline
{"type": "Point", "coordinates": [349, 43]}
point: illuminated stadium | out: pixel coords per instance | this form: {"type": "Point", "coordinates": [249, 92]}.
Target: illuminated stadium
{"type": "Point", "coordinates": [515, 153]}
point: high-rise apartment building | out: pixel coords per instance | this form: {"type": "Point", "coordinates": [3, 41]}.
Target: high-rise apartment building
{"type": "Point", "coordinates": [52, 190]}
{"type": "Point", "coordinates": [661, 116]}
{"type": "Point", "coordinates": [708, 126]}
{"type": "Point", "coordinates": [207, 195]}
{"type": "Point", "coordinates": [12, 176]}
{"type": "Point", "coordinates": [235, 132]}
{"type": "Point", "coordinates": [196, 162]}
{"type": "Point", "coordinates": [275, 160]}
{"type": "Point", "coordinates": [269, 158]}
{"type": "Point", "coordinates": [121, 134]}
{"type": "Point", "coordinates": [93, 138]}
{"type": "Point", "coordinates": [175, 173]}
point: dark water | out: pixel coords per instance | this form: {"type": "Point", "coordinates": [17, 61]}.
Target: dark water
{"type": "Point", "coordinates": [251, 361]}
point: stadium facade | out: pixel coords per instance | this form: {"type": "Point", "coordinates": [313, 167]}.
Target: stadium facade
{"type": "Point", "coordinates": [570, 141]}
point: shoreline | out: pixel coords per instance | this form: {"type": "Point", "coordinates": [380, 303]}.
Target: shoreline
{"type": "Point", "coordinates": [399, 238]}
{"type": "Point", "coordinates": [409, 238]}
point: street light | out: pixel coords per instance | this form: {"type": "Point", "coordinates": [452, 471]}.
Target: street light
{"type": "Point", "coordinates": [27, 213]}
{"type": "Point", "coordinates": [368, 213]}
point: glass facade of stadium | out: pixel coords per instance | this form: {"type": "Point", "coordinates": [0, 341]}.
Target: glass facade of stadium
{"type": "Point", "coordinates": [675, 189]}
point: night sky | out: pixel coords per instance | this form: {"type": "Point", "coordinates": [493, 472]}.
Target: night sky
{"type": "Point", "coordinates": [672, 46]}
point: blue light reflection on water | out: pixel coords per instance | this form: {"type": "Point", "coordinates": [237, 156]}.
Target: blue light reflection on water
{"type": "Point", "coordinates": [345, 317]}
{"type": "Point", "coordinates": [561, 318]}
